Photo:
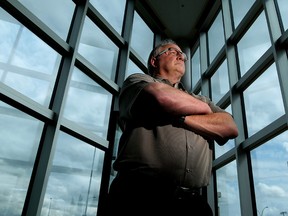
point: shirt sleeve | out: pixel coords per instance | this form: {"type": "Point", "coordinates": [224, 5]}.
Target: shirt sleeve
{"type": "Point", "coordinates": [130, 90]}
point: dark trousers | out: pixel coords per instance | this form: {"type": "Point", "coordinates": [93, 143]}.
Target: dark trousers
{"type": "Point", "coordinates": [139, 195]}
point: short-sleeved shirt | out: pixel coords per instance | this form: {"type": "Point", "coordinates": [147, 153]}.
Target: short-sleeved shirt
{"type": "Point", "coordinates": [153, 142]}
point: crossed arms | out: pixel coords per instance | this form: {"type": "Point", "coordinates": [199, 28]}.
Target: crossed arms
{"type": "Point", "coordinates": [218, 126]}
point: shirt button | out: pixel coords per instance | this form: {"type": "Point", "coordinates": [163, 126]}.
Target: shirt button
{"type": "Point", "coordinates": [188, 170]}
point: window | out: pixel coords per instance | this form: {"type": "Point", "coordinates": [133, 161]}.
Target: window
{"type": "Point", "coordinates": [254, 44]}
{"type": "Point", "coordinates": [132, 68]}
{"type": "Point", "coordinates": [74, 182]}
{"type": "Point", "coordinates": [228, 191]}
{"type": "Point", "coordinates": [57, 15]}
{"type": "Point", "coordinates": [88, 104]}
{"type": "Point", "coordinates": [195, 64]}
{"type": "Point", "coordinates": [98, 49]}
{"type": "Point", "coordinates": [270, 165]}
{"type": "Point", "coordinates": [28, 65]}
{"type": "Point", "coordinates": [216, 38]}
{"type": "Point", "coordinates": [20, 137]}
{"type": "Point", "coordinates": [220, 82]}
{"type": "Point", "coordinates": [263, 103]}
{"type": "Point", "coordinates": [142, 38]}
{"type": "Point", "coordinates": [283, 7]}
{"type": "Point", "coordinates": [240, 8]}
{"type": "Point", "coordinates": [112, 11]}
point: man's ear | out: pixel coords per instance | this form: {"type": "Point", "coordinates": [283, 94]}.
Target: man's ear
{"type": "Point", "coordinates": [153, 62]}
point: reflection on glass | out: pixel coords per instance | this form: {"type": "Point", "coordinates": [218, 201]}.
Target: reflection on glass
{"type": "Point", "coordinates": [263, 103]}
{"type": "Point", "coordinates": [220, 150]}
{"type": "Point", "coordinates": [56, 14]}
{"type": "Point", "coordinates": [216, 38]}
{"type": "Point", "coordinates": [240, 8]}
{"type": "Point", "coordinates": [270, 172]}
{"type": "Point", "coordinates": [74, 182]}
{"type": "Point", "coordinates": [283, 7]}
{"type": "Point", "coordinates": [220, 82]}
{"type": "Point", "coordinates": [28, 65]}
{"type": "Point", "coordinates": [17, 156]}
{"type": "Point", "coordinates": [141, 38]}
{"type": "Point", "coordinates": [132, 68]}
{"type": "Point", "coordinates": [195, 64]}
{"type": "Point", "coordinates": [112, 11]}
{"type": "Point", "coordinates": [228, 191]}
{"type": "Point", "coordinates": [254, 44]}
{"type": "Point", "coordinates": [88, 104]}
{"type": "Point", "coordinates": [98, 49]}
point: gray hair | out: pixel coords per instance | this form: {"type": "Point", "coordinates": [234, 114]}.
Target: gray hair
{"type": "Point", "coordinates": [155, 52]}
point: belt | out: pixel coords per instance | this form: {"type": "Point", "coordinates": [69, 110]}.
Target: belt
{"type": "Point", "coordinates": [178, 192]}
{"type": "Point", "coordinates": [186, 193]}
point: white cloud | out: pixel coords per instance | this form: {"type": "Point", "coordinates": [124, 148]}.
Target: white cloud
{"type": "Point", "coordinates": [272, 190]}
{"type": "Point", "coordinates": [285, 145]}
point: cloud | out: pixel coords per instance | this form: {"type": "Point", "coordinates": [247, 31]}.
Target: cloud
{"type": "Point", "coordinates": [272, 190]}
{"type": "Point", "coordinates": [285, 145]}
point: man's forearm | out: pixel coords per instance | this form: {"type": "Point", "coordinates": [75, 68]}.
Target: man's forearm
{"type": "Point", "coordinates": [175, 101]}
{"type": "Point", "coordinates": [216, 126]}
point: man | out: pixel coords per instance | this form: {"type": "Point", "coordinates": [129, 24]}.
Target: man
{"type": "Point", "coordinates": [164, 156]}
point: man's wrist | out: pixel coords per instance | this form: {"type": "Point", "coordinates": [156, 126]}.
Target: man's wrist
{"type": "Point", "coordinates": [179, 121]}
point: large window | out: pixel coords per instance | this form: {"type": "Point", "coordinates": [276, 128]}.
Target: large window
{"type": "Point", "coordinates": [142, 38]}
{"type": "Point", "coordinates": [216, 37]}
{"type": "Point", "coordinates": [74, 182]}
{"type": "Point", "coordinates": [112, 11]}
{"type": "Point", "coordinates": [57, 15]}
{"type": "Point", "coordinates": [227, 190]}
{"type": "Point", "coordinates": [98, 49]}
{"type": "Point", "coordinates": [28, 65]}
{"type": "Point", "coordinates": [254, 44]}
{"type": "Point", "coordinates": [195, 65]}
{"type": "Point", "coordinates": [20, 136]}
{"type": "Point", "coordinates": [263, 103]}
{"type": "Point", "coordinates": [269, 163]}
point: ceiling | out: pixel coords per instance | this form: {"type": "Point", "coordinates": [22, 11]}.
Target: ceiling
{"type": "Point", "coordinates": [180, 19]}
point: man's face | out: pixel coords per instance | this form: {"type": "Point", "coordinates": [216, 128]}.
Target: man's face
{"type": "Point", "coordinates": [171, 60]}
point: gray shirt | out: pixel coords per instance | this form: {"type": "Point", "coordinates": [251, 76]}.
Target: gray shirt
{"type": "Point", "coordinates": [153, 142]}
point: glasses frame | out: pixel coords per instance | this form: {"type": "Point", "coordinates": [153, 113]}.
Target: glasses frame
{"type": "Point", "coordinates": [179, 53]}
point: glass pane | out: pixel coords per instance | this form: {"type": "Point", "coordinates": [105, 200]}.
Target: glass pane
{"type": "Point", "coordinates": [220, 150]}
{"type": "Point", "coordinates": [240, 8]}
{"type": "Point", "coordinates": [254, 44]}
{"type": "Point", "coordinates": [112, 11]}
{"type": "Point", "coordinates": [220, 82]}
{"type": "Point", "coordinates": [74, 182]}
{"type": "Point", "coordinates": [17, 155]}
{"type": "Point", "coordinates": [29, 65]}
{"type": "Point", "coordinates": [283, 7]}
{"type": "Point", "coordinates": [132, 68]}
{"type": "Point", "coordinates": [57, 15]}
{"type": "Point", "coordinates": [263, 103]}
{"type": "Point", "coordinates": [269, 166]}
{"type": "Point", "coordinates": [216, 38]}
{"type": "Point", "coordinates": [228, 191]}
{"type": "Point", "coordinates": [88, 104]}
{"type": "Point", "coordinates": [141, 38]}
{"type": "Point", "coordinates": [98, 49]}
{"type": "Point", "coordinates": [195, 62]}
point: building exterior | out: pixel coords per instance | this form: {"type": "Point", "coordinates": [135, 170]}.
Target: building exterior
{"type": "Point", "coordinates": [62, 64]}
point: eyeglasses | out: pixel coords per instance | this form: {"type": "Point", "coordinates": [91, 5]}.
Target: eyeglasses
{"type": "Point", "coordinates": [173, 51]}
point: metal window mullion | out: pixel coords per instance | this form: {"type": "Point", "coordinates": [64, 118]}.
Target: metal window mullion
{"type": "Point", "coordinates": [279, 51]}
{"type": "Point", "coordinates": [242, 160]}
{"type": "Point", "coordinates": [40, 174]}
